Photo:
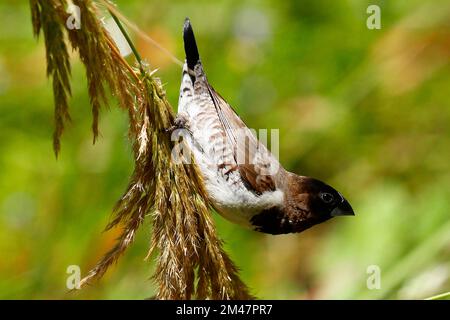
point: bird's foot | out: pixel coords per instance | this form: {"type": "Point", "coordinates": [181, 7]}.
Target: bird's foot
{"type": "Point", "coordinates": [180, 122]}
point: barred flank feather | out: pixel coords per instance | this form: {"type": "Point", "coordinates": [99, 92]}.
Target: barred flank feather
{"type": "Point", "coordinates": [171, 194]}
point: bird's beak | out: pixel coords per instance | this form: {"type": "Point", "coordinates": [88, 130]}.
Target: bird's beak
{"type": "Point", "coordinates": [343, 209]}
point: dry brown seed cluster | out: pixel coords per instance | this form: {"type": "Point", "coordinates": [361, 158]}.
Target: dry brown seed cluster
{"type": "Point", "coordinates": [191, 262]}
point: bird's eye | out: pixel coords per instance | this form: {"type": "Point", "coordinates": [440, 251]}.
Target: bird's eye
{"type": "Point", "coordinates": [326, 197]}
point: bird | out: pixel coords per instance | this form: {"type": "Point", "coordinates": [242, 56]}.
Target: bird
{"type": "Point", "coordinates": [244, 181]}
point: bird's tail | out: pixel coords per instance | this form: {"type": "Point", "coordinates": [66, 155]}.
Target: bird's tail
{"type": "Point", "coordinates": [190, 46]}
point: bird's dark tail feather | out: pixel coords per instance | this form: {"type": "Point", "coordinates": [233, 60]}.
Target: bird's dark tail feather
{"type": "Point", "coordinates": [190, 46]}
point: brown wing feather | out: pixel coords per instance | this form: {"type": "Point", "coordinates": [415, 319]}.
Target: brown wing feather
{"type": "Point", "coordinates": [252, 157]}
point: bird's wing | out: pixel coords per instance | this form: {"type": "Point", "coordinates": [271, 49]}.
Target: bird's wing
{"type": "Point", "coordinates": [255, 163]}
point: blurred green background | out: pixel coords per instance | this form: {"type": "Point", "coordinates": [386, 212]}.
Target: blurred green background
{"type": "Point", "coordinates": [366, 110]}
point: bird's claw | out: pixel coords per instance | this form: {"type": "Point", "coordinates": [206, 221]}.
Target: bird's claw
{"type": "Point", "coordinates": [180, 122]}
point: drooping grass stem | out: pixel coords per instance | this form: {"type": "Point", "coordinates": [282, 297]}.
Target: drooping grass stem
{"type": "Point", "coordinates": [128, 39]}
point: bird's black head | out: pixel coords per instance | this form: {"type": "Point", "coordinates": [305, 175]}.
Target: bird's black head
{"type": "Point", "coordinates": [324, 200]}
{"type": "Point", "coordinates": [311, 201]}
